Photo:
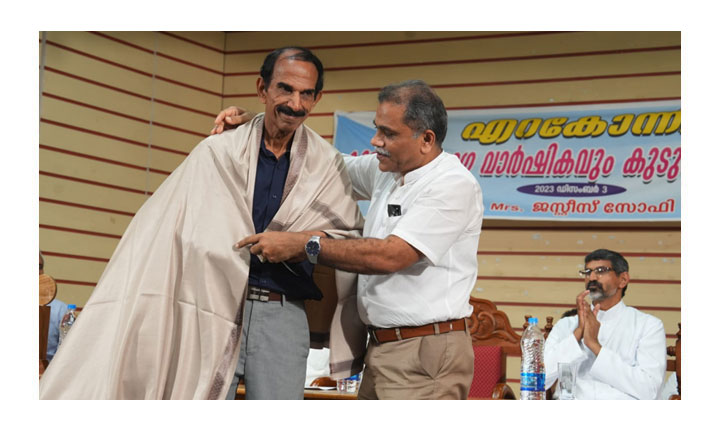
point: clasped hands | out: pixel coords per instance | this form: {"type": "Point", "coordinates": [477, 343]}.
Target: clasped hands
{"type": "Point", "coordinates": [588, 325]}
{"type": "Point", "coordinates": [276, 246]}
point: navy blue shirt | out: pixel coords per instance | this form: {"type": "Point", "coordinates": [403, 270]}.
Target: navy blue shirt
{"type": "Point", "coordinates": [269, 185]}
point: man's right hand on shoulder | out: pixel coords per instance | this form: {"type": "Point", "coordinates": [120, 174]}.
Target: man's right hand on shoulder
{"type": "Point", "coordinates": [230, 118]}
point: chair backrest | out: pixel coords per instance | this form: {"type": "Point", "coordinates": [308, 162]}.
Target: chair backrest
{"type": "Point", "coordinates": [44, 327]}
{"type": "Point", "coordinates": [493, 338]}
{"type": "Point", "coordinates": [47, 292]}
{"type": "Point", "coordinates": [548, 325]}
{"type": "Point", "coordinates": [491, 327]}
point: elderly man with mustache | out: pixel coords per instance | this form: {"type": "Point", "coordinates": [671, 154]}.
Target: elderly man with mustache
{"type": "Point", "coordinates": [179, 313]}
{"type": "Point", "coordinates": [619, 351]}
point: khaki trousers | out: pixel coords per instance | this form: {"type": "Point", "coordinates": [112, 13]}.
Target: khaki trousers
{"type": "Point", "coordinates": [427, 367]}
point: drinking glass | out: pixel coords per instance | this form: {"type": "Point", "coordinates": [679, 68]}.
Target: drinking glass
{"type": "Point", "coordinates": [567, 373]}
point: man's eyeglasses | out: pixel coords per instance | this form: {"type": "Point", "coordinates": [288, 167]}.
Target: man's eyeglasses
{"type": "Point", "coordinates": [599, 271]}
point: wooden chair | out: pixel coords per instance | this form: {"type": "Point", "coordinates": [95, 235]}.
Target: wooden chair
{"type": "Point", "coordinates": [673, 364]}
{"type": "Point", "coordinates": [493, 338]}
{"type": "Point", "coordinates": [48, 289]}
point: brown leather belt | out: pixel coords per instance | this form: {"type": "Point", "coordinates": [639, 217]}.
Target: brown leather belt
{"type": "Point", "coordinates": [263, 295]}
{"type": "Point", "coordinates": [399, 333]}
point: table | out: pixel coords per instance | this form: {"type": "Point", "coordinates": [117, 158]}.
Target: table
{"type": "Point", "coordinates": [310, 394]}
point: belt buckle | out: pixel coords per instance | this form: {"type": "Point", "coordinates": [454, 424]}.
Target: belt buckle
{"type": "Point", "coordinates": [259, 294]}
{"type": "Point", "coordinates": [373, 336]}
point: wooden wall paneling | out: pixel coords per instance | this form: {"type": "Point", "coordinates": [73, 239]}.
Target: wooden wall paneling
{"type": "Point", "coordinates": [94, 120]}
{"type": "Point", "coordinates": [53, 163]}
{"type": "Point", "coordinates": [169, 160]}
{"type": "Point", "coordinates": [59, 216]}
{"type": "Point", "coordinates": [75, 293]}
{"type": "Point", "coordinates": [125, 126]}
{"type": "Point", "coordinates": [516, 314]}
{"type": "Point", "coordinates": [56, 189]}
{"type": "Point", "coordinates": [267, 41]}
{"type": "Point", "coordinates": [587, 91]}
{"type": "Point", "coordinates": [464, 72]}
{"type": "Point", "coordinates": [193, 123]}
{"type": "Point", "coordinates": [106, 49]}
{"type": "Point", "coordinates": [247, 84]}
{"type": "Point", "coordinates": [93, 145]}
{"type": "Point", "coordinates": [77, 269]}
{"type": "Point", "coordinates": [214, 40]}
{"type": "Point", "coordinates": [196, 99]}
{"type": "Point", "coordinates": [98, 150]}
{"type": "Point", "coordinates": [251, 103]}
{"type": "Point", "coordinates": [94, 95]}
{"type": "Point", "coordinates": [562, 266]}
{"type": "Point", "coordinates": [246, 63]}
{"type": "Point", "coordinates": [77, 244]}
{"type": "Point", "coordinates": [453, 50]}
{"type": "Point", "coordinates": [509, 95]}
{"type": "Point", "coordinates": [102, 98]}
{"type": "Point", "coordinates": [190, 74]}
{"type": "Point", "coordinates": [564, 292]}
{"type": "Point", "coordinates": [179, 140]}
{"type": "Point", "coordinates": [191, 49]}
{"type": "Point", "coordinates": [174, 59]}
{"type": "Point", "coordinates": [531, 69]}
{"type": "Point", "coordinates": [469, 69]}
{"type": "Point", "coordinates": [580, 241]}
{"type": "Point", "coordinates": [82, 66]}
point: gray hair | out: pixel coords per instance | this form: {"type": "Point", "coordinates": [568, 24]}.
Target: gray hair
{"type": "Point", "coordinates": [423, 107]}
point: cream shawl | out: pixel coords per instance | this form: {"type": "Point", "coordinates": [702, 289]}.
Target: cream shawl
{"type": "Point", "coordinates": [164, 321]}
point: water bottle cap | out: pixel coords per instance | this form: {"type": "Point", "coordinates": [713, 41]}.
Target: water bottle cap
{"type": "Point", "coordinates": [533, 320]}
{"type": "Point", "coordinates": [71, 306]}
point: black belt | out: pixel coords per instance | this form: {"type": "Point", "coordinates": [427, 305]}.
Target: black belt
{"type": "Point", "coordinates": [264, 295]}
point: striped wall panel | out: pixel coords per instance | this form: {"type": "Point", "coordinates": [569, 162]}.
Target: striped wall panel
{"type": "Point", "coordinates": [121, 110]}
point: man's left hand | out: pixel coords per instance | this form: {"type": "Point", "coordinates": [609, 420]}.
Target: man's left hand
{"type": "Point", "coordinates": [592, 328]}
{"type": "Point", "coordinates": [275, 246]}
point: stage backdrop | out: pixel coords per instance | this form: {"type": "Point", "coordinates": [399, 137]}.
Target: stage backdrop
{"type": "Point", "coordinates": [618, 162]}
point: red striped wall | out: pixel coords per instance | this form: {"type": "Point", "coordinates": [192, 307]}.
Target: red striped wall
{"type": "Point", "coordinates": [120, 110]}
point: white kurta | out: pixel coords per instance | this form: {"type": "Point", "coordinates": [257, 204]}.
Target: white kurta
{"type": "Point", "coordinates": [440, 214]}
{"type": "Point", "coordinates": [630, 365]}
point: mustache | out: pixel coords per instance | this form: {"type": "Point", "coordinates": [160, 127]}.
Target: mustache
{"type": "Point", "coordinates": [289, 111]}
{"type": "Point", "coordinates": [593, 285]}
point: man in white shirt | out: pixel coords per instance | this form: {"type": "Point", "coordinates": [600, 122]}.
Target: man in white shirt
{"type": "Point", "coordinates": [619, 351]}
{"type": "Point", "coordinates": [418, 256]}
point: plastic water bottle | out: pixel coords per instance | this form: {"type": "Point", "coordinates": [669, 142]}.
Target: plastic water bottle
{"type": "Point", "coordinates": [532, 373]}
{"type": "Point", "coordinates": [67, 321]}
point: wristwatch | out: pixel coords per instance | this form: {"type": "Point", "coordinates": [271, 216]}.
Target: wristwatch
{"type": "Point", "coordinates": [312, 249]}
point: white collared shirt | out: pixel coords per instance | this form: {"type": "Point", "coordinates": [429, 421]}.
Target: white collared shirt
{"type": "Point", "coordinates": [440, 215]}
{"type": "Point", "coordinates": [631, 363]}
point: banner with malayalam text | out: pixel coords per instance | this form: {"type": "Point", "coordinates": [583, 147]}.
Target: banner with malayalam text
{"type": "Point", "coordinates": [610, 162]}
